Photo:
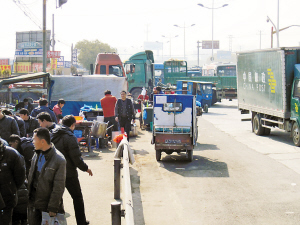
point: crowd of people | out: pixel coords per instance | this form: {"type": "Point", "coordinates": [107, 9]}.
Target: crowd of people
{"type": "Point", "coordinates": [39, 158]}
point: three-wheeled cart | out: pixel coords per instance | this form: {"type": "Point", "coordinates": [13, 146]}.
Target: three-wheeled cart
{"type": "Point", "coordinates": [174, 124]}
{"type": "Point", "coordinates": [201, 89]}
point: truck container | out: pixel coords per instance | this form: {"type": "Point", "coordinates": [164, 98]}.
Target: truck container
{"type": "Point", "coordinates": [268, 83]}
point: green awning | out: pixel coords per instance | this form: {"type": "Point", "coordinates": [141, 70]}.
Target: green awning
{"type": "Point", "coordinates": [23, 78]}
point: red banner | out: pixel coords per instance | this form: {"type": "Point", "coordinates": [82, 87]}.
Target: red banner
{"type": "Point", "coordinates": [4, 61]}
{"type": "Point", "coordinates": [53, 54]}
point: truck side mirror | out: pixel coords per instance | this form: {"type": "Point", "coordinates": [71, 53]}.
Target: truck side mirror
{"type": "Point", "coordinates": [132, 68]}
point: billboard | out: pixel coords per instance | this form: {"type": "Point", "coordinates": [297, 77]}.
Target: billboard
{"type": "Point", "coordinates": [60, 61]}
{"type": "Point", "coordinates": [4, 61]}
{"type": "Point", "coordinates": [22, 67]}
{"type": "Point", "coordinates": [38, 67]}
{"type": "Point", "coordinates": [207, 44]}
{"type": "Point", "coordinates": [53, 54]}
{"type": "Point", "coordinates": [22, 45]}
{"type": "Point", "coordinates": [36, 52]}
{"type": "Point", "coordinates": [54, 63]}
{"type": "Point", "coordinates": [4, 67]}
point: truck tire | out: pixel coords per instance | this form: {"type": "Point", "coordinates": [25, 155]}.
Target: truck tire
{"type": "Point", "coordinates": [135, 93]}
{"type": "Point", "coordinates": [190, 155]}
{"type": "Point", "coordinates": [296, 134]}
{"type": "Point", "coordinates": [158, 155]}
{"type": "Point", "coordinates": [256, 126]}
{"type": "Point", "coordinates": [267, 131]}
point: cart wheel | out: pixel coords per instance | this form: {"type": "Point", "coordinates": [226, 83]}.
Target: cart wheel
{"type": "Point", "coordinates": [190, 155]}
{"type": "Point", "coordinates": [206, 108]}
{"type": "Point", "coordinates": [158, 155]}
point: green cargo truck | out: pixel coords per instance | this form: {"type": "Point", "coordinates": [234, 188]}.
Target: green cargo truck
{"type": "Point", "coordinates": [268, 84]}
{"type": "Point", "coordinates": [140, 72]}
{"type": "Point", "coordinates": [223, 77]}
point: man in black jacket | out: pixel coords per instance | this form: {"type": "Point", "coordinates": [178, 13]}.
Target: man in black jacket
{"type": "Point", "coordinates": [19, 120]}
{"type": "Point", "coordinates": [125, 112]}
{"type": "Point", "coordinates": [46, 180]}
{"type": "Point", "coordinates": [25, 104]}
{"type": "Point", "coordinates": [66, 142]}
{"type": "Point", "coordinates": [12, 176]}
{"type": "Point", "coordinates": [8, 126]}
{"type": "Point", "coordinates": [45, 120]}
{"type": "Point", "coordinates": [30, 123]}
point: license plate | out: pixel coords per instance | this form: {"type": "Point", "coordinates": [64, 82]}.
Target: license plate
{"type": "Point", "coordinates": [170, 141]}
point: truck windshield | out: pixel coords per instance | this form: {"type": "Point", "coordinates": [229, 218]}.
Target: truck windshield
{"type": "Point", "coordinates": [297, 89]}
{"type": "Point", "coordinates": [171, 107]}
{"type": "Point", "coordinates": [116, 70]}
{"type": "Point", "coordinates": [207, 89]}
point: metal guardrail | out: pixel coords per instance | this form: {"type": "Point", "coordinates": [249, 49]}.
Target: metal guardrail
{"type": "Point", "coordinates": [123, 151]}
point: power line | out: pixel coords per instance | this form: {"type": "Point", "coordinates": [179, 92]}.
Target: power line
{"type": "Point", "coordinates": [28, 13]}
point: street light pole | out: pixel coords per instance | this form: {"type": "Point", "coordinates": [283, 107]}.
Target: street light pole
{"type": "Point", "coordinates": [184, 36]}
{"type": "Point", "coordinates": [170, 43]}
{"type": "Point", "coordinates": [212, 24]}
{"type": "Point", "coordinates": [44, 36]}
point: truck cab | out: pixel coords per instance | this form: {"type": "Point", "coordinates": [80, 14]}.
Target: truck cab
{"type": "Point", "coordinates": [109, 63]}
{"type": "Point", "coordinates": [140, 72]}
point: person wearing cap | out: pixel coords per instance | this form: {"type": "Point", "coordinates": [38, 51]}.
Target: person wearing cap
{"type": "Point", "coordinates": [43, 107]}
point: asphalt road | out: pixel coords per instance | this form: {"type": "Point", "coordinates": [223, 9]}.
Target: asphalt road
{"type": "Point", "coordinates": [236, 177]}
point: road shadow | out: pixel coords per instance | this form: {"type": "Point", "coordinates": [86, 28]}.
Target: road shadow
{"type": "Point", "coordinates": [138, 211]}
{"type": "Point", "coordinates": [281, 136]}
{"type": "Point", "coordinates": [203, 147]}
{"type": "Point", "coordinates": [140, 152]}
{"type": "Point", "coordinates": [199, 167]}
{"type": "Point", "coordinates": [223, 106]}
{"type": "Point", "coordinates": [213, 114]}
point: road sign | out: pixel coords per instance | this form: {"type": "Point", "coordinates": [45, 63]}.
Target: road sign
{"type": "Point", "coordinates": [207, 45]}
{"type": "Point", "coordinates": [74, 56]}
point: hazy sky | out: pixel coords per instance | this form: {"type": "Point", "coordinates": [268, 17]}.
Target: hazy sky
{"type": "Point", "coordinates": [125, 25]}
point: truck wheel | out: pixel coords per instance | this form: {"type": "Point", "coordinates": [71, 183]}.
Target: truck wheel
{"type": "Point", "coordinates": [256, 126]}
{"type": "Point", "coordinates": [296, 134]}
{"type": "Point", "coordinates": [190, 155]}
{"type": "Point", "coordinates": [135, 93]}
{"type": "Point", "coordinates": [158, 155]}
{"type": "Point", "coordinates": [267, 131]}
{"type": "Point", "coordinates": [206, 108]}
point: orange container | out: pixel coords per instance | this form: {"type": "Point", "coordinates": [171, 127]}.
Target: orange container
{"type": "Point", "coordinates": [78, 119]}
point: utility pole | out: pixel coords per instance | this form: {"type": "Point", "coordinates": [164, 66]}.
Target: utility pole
{"type": "Point", "coordinates": [44, 37]}
{"type": "Point", "coordinates": [72, 54]}
{"type": "Point", "coordinates": [260, 39]}
{"type": "Point", "coordinates": [198, 47]}
{"type": "Point", "coordinates": [53, 41]}
{"type": "Point", "coordinates": [230, 42]}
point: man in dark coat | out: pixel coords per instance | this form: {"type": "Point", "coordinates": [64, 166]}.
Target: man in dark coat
{"type": "Point", "coordinates": [43, 107]}
{"type": "Point", "coordinates": [66, 142]}
{"type": "Point", "coordinates": [20, 122]}
{"type": "Point", "coordinates": [25, 104]}
{"type": "Point", "coordinates": [25, 147]}
{"type": "Point", "coordinates": [125, 113]}
{"type": "Point", "coordinates": [8, 126]}
{"type": "Point", "coordinates": [45, 120]}
{"type": "Point", "coordinates": [47, 177]}
{"type": "Point", "coordinates": [30, 123]}
{"type": "Point", "coordinates": [12, 176]}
